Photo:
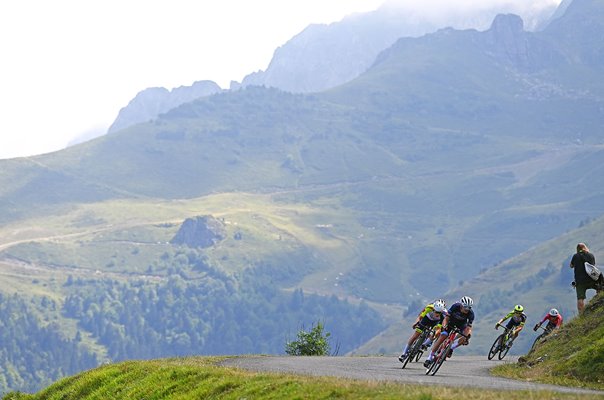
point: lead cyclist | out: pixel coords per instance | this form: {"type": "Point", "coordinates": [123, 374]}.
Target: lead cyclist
{"type": "Point", "coordinates": [461, 316]}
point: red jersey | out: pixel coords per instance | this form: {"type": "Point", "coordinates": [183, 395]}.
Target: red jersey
{"type": "Point", "coordinates": [557, 320]}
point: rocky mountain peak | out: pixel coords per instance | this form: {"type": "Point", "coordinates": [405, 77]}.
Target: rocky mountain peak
{"type": "Point", "coordinates": [151, 102]}
{"type": "Point", "coordinates": [507, 24]}
{"type": "Point", "coordinates": [509, 42]}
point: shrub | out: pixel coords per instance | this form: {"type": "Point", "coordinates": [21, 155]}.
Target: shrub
{"type": "Point", "coordinates": [312, 343]}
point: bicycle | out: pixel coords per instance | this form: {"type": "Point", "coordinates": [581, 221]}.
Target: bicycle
{"type": "Point", "coordinates": [443, 352]}
{"type": "Point", "coordinates": [542, 337]}
{"type": "Point", "coordinates": [423, 347]}
{"type": "Point", "coordinates": [415, 350]}
{"type": "Point", "coordinates": [502, 344]}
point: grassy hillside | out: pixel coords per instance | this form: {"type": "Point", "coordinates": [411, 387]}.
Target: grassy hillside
{"type": "Point", "coordinates": [198, 377]}
{"type": "Point", "coordinates": [572, 356]}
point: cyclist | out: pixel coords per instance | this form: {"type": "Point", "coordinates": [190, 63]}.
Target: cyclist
{"type": "Point", "coordinates": [431, 317]}
{"type": "Point", "coordinates": [428, 342]}
{"type": "Point", "coordinates": [517, 319]}
{"type": "Point", "coordinates": [429, 308]}
{"type": "Point", "coordinates": [553, 318]}
{"type": "Point", "coordinates": [460, 316]}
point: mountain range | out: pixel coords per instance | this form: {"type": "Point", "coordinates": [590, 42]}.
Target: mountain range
{"type": "Point", "coordinates": [324, 56]}
{"type": "Point", "coordinates": [461, 161]}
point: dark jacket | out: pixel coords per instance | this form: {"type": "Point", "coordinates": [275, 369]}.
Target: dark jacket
{"type": "Point", "coordinates": [578, 264]}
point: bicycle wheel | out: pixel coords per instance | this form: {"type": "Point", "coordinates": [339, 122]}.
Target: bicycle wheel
{"type": "Point", "coordinates": [419, 353]}
{"type": "Point", "coordinates": [535, 342]}
{"type": "Point", "coordinates": [410, 355]}
{"type": "Point", "coordinates": [431, 367]}
{"type": "Point", "coordinates": [495, 347]}
{"type": "Point", "coordinates": [440, 359]}
{"type": "Point", "coordinates": [504, 350]}
{"type": "Point", "coordinates": [407, 359]}
{"type": "Point", "coordinates": [412, 351]}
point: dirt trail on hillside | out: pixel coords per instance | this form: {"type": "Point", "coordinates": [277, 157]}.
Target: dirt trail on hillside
{"type": "Point", "coordinates": [461, 371]}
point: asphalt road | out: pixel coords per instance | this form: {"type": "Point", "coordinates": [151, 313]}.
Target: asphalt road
{"type": "Point", "coordinates": [464, 371]}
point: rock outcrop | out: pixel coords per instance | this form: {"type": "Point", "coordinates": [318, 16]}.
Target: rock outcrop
{"type": "Point", "coordinates": [201, 232]}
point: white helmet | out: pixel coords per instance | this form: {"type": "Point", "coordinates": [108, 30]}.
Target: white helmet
{"type": "Point", "coordinates": [553, 312]}
{"type": "Point", "coordinates": [443, 301]}
{"type": "Point", "coordinates": [466, 301]}
{"type": "Point", "coordinates": [439, 306]}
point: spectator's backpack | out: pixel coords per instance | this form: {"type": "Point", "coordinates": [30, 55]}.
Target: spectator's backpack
{"type": "Point", "coordinates": [593, 271]}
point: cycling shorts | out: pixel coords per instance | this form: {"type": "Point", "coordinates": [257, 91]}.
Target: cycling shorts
{"type": "Point", "coordinates": [426, 322]}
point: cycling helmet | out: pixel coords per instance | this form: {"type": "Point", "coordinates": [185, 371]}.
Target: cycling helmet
{"type": "Point", "coordinates": [518, 308]}
{"type": "Point", "coordinates": [466, 301]}
{"type": "Point", "coordinates": [439, 306]}
{"type": "Point", "coordinates": [553, 312]}
{"type": "Point", "coordinates": [441, 300]}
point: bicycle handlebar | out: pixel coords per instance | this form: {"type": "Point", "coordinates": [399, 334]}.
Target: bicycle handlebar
{"type": "Point", "coordinates": [458, 332]}
{"type": "Point", "coordinates": [505, 327]}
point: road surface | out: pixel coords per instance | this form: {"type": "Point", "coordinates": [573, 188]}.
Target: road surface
{"type": "Point", "coordinates": [464, 371]}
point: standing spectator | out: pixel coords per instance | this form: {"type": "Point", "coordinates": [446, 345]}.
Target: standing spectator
{"type": "Point", "coordinates": [582, 280]}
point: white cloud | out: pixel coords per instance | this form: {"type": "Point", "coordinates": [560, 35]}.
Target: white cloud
{"type": "Point", "coordinates": [69, 65]}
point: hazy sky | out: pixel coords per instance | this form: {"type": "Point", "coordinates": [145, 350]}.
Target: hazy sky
{"type": "Point", "coordinates": [68, 66]}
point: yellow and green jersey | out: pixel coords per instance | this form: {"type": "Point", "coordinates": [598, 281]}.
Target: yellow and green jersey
{"type": "Point", "coordinates": [516, 319]}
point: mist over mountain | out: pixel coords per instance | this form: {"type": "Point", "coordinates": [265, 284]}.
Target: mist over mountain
{"type": "Point", "coordinates": [324, 56]}
{"type": "Point", "coordinates": [461, 161]}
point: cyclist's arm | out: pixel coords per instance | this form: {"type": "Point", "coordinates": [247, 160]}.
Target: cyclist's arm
{"type": "Point", "coordinates": [426, 310]}
{"type": "Point", "coordinates": [422, 314]}
{"type": "Point", "coordinates": [501, 321]}
{"type": "Point", "coordinates": [445, 322]}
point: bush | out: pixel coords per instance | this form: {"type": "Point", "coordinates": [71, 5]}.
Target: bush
{"type": "Point", "coordinates": [312, 343]}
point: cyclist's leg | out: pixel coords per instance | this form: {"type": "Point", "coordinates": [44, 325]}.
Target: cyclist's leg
{"type": "Point", "coordinates": [434, 333]}
{"type": "Point", "coordinates": [443, 335]}
{"type": "Point", "coordinates": [412, 338]}
{"type": "Point", "coordinates": [512, 326]}
{"type": "Point", "coordinates": [423, 324]}
{"type": "Point", "coordinates": [460, 339]}
{"type": "Point", "coordinates": [549, 327]}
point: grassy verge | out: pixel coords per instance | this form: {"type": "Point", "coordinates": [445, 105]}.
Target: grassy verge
{"type": "Point", "coordinates": [199, 378]}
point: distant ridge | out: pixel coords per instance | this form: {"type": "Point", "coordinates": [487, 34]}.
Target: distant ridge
{"type": "Point", "coordinates": [151, 102]}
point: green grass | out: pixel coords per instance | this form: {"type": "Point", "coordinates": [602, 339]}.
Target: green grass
{"type": "Point", "coordinates": [573, 356]}
{"type": "Point", "coordinates": [200, 378]}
